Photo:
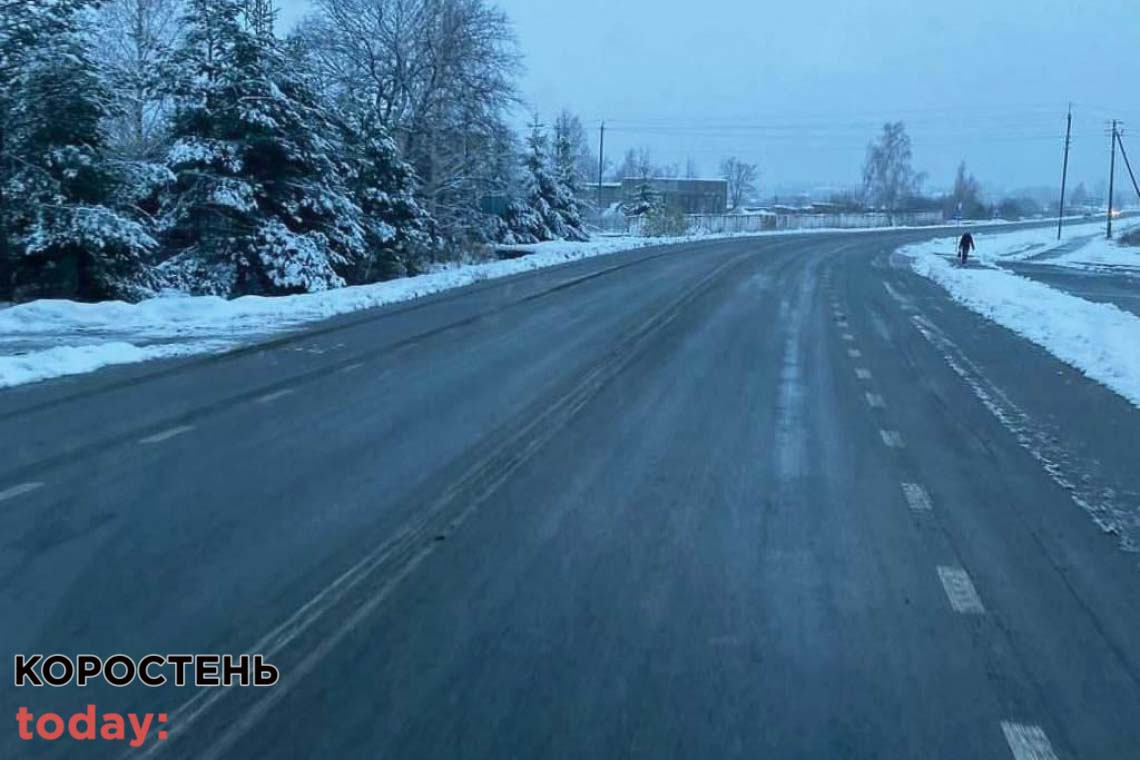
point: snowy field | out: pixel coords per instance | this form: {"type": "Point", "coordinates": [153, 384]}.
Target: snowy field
{"type": "Point", "coordinates": [1098, 339]}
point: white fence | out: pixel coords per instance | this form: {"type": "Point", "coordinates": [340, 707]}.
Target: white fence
{"type": "Point", "coordinates": [710, 224]}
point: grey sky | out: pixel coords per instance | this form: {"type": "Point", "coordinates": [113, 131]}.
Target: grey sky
{"type": "Point", "coordinates": [800, 87]}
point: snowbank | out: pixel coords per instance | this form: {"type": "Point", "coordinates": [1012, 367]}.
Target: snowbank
{"type": "Point", "coordinates": [52, 338]}
{"type": "Point", "coordinates": [46, 339]}
{"type": "Point", "coordinates": [72, 360]}
{"type": "Point", "coordinates": [1101, 254]}
{"type": "Point", "coordinates": [996, 246]}
{"type": "Point", "coordinates": [1098, 339]}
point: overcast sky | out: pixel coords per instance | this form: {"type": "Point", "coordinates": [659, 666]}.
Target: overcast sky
{"type": "Point", "coordinates": [800, 87]}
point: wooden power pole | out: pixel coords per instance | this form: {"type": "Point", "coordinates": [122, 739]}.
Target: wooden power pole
{"type": "Point", "coordinates": [601, 163]}
{"type": "Point", "coordinates": [1065, 170]}
{"type": "Point", "coordinates": [1111, 181]}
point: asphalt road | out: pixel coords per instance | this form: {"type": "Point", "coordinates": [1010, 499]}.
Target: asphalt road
{"type": "Point", "coordinates": [763, 498]}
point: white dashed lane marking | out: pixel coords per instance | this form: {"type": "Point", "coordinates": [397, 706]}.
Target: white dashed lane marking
{"type": "Point", "coordinates": [20, 490]}
{"type": "Point", "coordinates": [892, 439]}
{"type": "Point", "coordinates": [848, 337]}
{"type": "Point", "coordinates": [271, 397]}
{"type": "Point", "coordinates": [917, 497]}
{"type": "Point", "coordinates": [863, 374]}
{"type": "Point", "coordinates": [960, 591]}
{"type": "Point", "coordinates": [875, 401]}
{"type": "Point", "coordinates": [166, 435]}
{"type": "Point", "coordinates": [352, 367]}
{"type": "Point", "coordinates": [1027, 742]}
{"type": "Point", "coordinates": [854, 353]}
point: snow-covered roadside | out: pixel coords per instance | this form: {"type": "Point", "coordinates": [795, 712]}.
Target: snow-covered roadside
{"type": "Point", "coordinates": [1101, 254]}
{"type": "Point", "coordinates": [47, 339]}
{"type": "Point", "coordinates": [1096, 338]}
{"type": "Point", "coordinates": [71, 360]}
{"type": "Point", "coordinates": [53, 338]}
{"type": "Point", "coordinates": [1078, 239]}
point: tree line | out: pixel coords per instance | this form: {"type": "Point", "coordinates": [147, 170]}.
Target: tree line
{"type": "Point", "coordinates": [891, 184]}
{"type": "Point", "coordinates": [182, 144]}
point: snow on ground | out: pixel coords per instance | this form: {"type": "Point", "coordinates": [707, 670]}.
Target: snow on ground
{"type": "Point", "coordinates": [1098, 339]}
{"type": "Point", "coordinates": [1041, 244]}
{"type": "Point", "coordinates": [69, 360]}
{"type": "Point", "coordinates": [46, 339]}
{"type": "Point", "coordinates": [1101, 254]}
{"type": "Point", "coordinates": [1024, 244]}
{"type": "Point", "coordinates": [52, 338]}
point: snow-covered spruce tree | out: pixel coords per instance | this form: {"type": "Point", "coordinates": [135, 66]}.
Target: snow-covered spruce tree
{"type": "Point", "coordinates": [548, 210]}
{"type": "Point", "coordinates": [259, 203]}
{"type": "Point", "coordinates": [399, 232]}
{"type": "Point", "coordinates": [566, 177]}
{"type": "Point", "coordinates": [64, 239]}
{"type": "Point", "coordinates": [522, 224]}
{"type": "Point", "coordinates": [644, 200]}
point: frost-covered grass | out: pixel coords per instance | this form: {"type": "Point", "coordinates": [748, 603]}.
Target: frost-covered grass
{"type": "Point", "coordinates": [1098, 339]}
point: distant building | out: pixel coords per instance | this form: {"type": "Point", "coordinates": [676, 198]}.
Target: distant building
{"type": "Point", "coordinates": [609, 194]}
{"type": "Point", "coordinates": [693, 196]}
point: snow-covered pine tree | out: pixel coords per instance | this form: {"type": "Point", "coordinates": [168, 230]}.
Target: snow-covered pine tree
{"type": "Point", "coordinates": [548, 209]}
{"type": "Point", "coordinates": [64, 238]}
{"type": "Point", "coordinates": [400, 233]}
{"type": "Point", "coordinates": [259, 203]}
{"type": "Point", "coordinates": [643, 201]}
{"type": "Point", "coordinates": [566, 176]}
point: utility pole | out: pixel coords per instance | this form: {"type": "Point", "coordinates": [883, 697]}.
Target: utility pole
{"type": "Point", "coordinates": [1065, 170]}
{"type": "Point", "coordinates": [1111, 180]}
{"type": "Point", "coordinates": [601, 162]}
{"type": "Point", "coordinates": [1127, 163]}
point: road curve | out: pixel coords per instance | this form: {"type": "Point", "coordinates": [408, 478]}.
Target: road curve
{"type": "Point", "coordinates": [771, 497]}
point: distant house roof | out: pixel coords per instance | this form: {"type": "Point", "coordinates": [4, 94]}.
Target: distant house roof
{"type": "Point", "coordinates": [678, 182]}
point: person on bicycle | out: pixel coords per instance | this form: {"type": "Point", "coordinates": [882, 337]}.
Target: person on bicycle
{"type": "Point", "coordinates": [965, 245]}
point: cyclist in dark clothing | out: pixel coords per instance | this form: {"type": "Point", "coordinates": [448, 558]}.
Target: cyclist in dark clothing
{"type": "Point", "coordinates": [965, 245]}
